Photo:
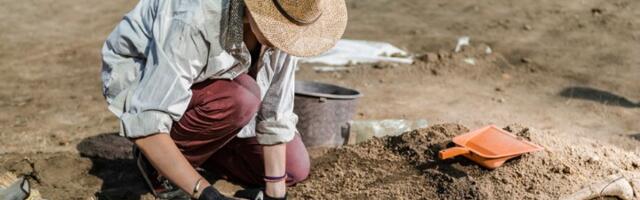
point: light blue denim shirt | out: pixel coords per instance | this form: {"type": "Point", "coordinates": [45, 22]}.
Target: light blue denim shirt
{"type": "Point", "coordinates": [162, 47]}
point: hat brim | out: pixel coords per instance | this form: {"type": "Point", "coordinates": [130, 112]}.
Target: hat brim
{"type": "Point", "coordinates": [297, 40]}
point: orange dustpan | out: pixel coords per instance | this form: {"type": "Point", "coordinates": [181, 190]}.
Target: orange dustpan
{"type": "Point", "coordinates": [489, 146]}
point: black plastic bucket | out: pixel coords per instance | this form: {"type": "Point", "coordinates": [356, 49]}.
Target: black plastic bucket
{"type": "Point", "coordinates": [324, 111]}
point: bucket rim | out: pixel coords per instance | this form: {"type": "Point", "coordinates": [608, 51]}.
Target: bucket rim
{"type": "Point", "coordinates": [356, 94]}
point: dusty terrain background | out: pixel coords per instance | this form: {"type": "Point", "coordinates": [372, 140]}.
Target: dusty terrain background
{"type": "Point", "coordinates": [565, 67]}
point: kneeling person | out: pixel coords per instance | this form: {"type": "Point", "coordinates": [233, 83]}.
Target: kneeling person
{"type": "Point", "coordinates": [210, 84]}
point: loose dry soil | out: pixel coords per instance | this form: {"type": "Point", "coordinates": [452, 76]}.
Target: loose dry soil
{"type": "Point", "coordinates": [407, 167]}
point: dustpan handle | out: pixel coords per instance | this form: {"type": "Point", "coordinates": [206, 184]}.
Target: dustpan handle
{"type": "Point", "coordinates": [452, 152]}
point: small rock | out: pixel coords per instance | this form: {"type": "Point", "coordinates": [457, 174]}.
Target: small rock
{"type": "Point", "coordinates": [561, 168]}
{"type": "Point", "coordinates": [524, 133]}
{"type": "Point", "coordinates": [434, 72]}
{"type": "Point", "coordinates": [384, 65]}
{"type": "Point", "coordinates": [566, 170]}
{"type": "Point", "coordinates": [593, 159]}
{"type": "Point", "coordinates": [429, 57]}
{"type": "Point", "coordinates": [462, 41]}
{"type": "Point", "coordinates": [635, 165]}
{"type": "Point", "coordinates": [471, 178]}
{"type": "Point", "coordinates": [498, 89]}
{"type": "Point", "coordinates": [526, 27]}
{"type": "Point", "coordinates": [443, 54]}
{"type": "Point", "coordinates": [525, 60]}
{"type": "Point", "coordinates": [398, 55]}
{"type": "Point", "coordinates": [597, 11]}
{"type": "Point", "coordinates": [63, 143]}
{"type": "Point", "coordinates": [488, 50]}
{"type": "Point", "coordinates": [531, 188]}
{"type": "Point", "coordinates": [499, 100]}
{"type": "Point", "coordinates": [351, 63]}
{"type": "Point", "coordinates": [470, 61]}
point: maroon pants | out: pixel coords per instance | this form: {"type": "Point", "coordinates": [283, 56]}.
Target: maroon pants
{"type": "Point", "coordinates": [206, 134]}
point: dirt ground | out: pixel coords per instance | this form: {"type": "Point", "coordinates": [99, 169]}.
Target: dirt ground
{"type": "Point", "coordinates": [565, 68]}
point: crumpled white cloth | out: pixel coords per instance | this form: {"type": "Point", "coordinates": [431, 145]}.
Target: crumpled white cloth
{"type": "Point", "coordinates": [360, 51]}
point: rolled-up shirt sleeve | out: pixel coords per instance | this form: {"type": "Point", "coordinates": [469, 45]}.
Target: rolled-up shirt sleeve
{"type": "Point", "coordinates": [276, 122]}
{"type": "Point", "coordinates": [177, 53]}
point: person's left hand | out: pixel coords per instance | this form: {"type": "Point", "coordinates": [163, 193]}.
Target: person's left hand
{"type": "Point", "coordinates": [210, 193]}
{"type": "Point", "coordinates": [256, 194]}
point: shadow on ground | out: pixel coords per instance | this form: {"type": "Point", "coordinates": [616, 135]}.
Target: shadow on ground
{"type": "Point", "coordinates": [598, 95]}
{"type": "Point", "coordinates": [636, 136]}
{"type": "Point", "coordinates": [112, 162]}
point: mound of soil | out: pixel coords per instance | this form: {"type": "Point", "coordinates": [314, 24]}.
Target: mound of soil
{"type": "Point", "coordinates": [407, 167]}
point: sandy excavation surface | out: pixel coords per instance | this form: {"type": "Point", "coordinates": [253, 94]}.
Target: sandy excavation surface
{"type": "Point", "coordinates": [407, 167]}
{"type": "Point", "coordinates": [566, 70]}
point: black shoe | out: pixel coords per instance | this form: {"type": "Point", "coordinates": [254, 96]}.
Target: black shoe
{"type": "Point", "coordinates": [159, 186]}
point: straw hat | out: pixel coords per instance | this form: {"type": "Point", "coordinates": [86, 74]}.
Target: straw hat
{"type": "Point", "coordinates": [300, 27]}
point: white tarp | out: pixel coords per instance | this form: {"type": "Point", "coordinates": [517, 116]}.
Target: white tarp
{"type": "Point", "coordinates": [360, 51]}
